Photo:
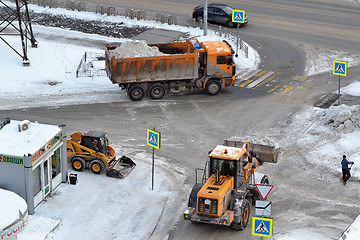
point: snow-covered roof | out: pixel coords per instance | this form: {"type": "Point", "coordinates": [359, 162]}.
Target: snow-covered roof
{"type": "Point", "coordinates": [16, 143]}
{"type": "Point", "coordinates": [226, 152]}
{"type": "Point", "coordinates": [11, 205]}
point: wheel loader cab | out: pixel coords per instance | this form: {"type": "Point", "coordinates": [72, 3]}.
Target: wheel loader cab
{"type": "Point", "coordinates": [96, 141]}
{"type": "Point", "coordinates": [225, 167]}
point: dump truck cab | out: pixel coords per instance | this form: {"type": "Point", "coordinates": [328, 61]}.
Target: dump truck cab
{"type": "Point", "coordinates": [219, 62]}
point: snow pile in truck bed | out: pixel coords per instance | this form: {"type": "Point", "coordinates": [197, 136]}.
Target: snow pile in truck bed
{"type": "Point", "coordinates": [132, 49]}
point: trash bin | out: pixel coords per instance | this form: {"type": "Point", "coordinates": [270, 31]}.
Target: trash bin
{"type": "Point", "coordinates": [73, 178]}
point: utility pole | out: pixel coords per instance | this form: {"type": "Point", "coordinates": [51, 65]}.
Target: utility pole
{"type": "Point", "coordinates": [205, 17]}
{"type": "Point", "coordinates": [17, 22]}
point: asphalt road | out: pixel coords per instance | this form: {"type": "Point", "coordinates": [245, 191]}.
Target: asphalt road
{"type": "Point", "coordinates": [277, 27]}
{"type": "Point", "coordinates": [193, 124]}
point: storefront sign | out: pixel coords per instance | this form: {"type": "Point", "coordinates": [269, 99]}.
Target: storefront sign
{"type": "Point", "coordinates": [13, 160]}
{"type": "Point", "coordinates": [12, 231]}
{"type": "Point", "coordinates": [47, 146]}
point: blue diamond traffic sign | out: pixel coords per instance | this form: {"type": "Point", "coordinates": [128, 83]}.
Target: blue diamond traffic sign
{"type": "Point", "coordinates": [339, 68]}
{"type": "Point", "coordinates": [153, 138]}
{"type": "Point", "coordinates": [262, 227]}
{"type": "Point", "coordinates": [238, 16]}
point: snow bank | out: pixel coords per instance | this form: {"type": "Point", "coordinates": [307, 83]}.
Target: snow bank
{"type": "Point", "coordinates": [331, 133]}
{"type": "Point", "coordinates": [352, 232]}
{"type": "Point", "coordinates": [352, 89]}
{"type": "Point", "coordinates": [137, 48]}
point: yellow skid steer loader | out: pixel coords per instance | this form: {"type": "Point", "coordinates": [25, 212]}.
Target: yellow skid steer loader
{"type": "Point", "coordinates": [91, 150]}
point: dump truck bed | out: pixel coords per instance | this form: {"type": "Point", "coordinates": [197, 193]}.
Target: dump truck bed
{"type": "Point", "coordinates": [178, 61]}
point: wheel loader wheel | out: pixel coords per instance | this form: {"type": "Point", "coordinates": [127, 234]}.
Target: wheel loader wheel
{"type": "Point", "coordinates": [96, 166]}
{"type": "Point", "coordinates": [193, 195]}
{"type": "Point", "coordinates": [78, 164]}
{"type": "Point", "coordinates": [245, 216]}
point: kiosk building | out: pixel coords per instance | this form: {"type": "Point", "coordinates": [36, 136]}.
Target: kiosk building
{"type": "Point", "coordinates": [33, 159]}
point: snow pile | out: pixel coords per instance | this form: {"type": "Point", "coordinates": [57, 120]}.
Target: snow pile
{"type": "Point", "coordinates": [263, 140]}
{"type": "Point", "coordinates": [138, 48]}
{"type": "Point", "coordinates": [331, 132]}
{"type": "Point", "coordinates": [321, 59]}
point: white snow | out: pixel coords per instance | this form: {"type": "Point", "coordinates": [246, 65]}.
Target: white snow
{"type": "Point", "coordinates": [137, 48]}
{"type": "Point", "coordinates": [10, 205]}
{"type": "Point", "coordinates": [16, 143]}
{"type": "Point", "coordinates": [50, 81]}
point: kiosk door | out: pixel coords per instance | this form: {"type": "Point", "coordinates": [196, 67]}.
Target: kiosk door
{"type": "Point", "coordinates": [41, 181]}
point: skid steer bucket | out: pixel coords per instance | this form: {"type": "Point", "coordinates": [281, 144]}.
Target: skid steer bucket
{"type": "Point", "coordinates": [120, 168]}
{"type": "Point", "coordinates": [262, 152]}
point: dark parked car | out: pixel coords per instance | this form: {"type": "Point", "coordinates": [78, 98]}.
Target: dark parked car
{"type": "Point", "coordinates": [217, 13]}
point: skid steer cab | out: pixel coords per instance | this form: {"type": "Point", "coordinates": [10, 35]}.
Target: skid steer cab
{"type": "Point", "coordinates": [227, 182]}
{"type": "Point", "coordinates": [92, 150]}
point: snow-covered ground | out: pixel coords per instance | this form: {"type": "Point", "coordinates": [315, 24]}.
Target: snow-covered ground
{"type": "Point", "coordinates": [50, 80]}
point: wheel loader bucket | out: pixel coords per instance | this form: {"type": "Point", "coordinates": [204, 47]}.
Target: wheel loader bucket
{"type": "Point", "coordinates": [262, 152]}
{"type": "Point", "coordinates": [120, 168]}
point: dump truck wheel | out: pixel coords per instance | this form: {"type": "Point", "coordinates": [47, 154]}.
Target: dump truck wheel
{"type": "Point", "coordinates": [136, 92]}
{"type": "Point", "coordinates": [157, 91]}
{"type": "Point", "coordinates": [78, 164]}
{"type": "Point", "coordinates": [245, 216]}
{"type": "Point", "coordinates": [213, 87]}
{"type": "Point", "coordinates": [96, 166]}
{"type": "Point", "coordinates": [193, 195]}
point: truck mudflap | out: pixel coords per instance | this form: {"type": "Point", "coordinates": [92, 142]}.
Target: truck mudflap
{"type": "Point", "coordinates": [120, 168]}
{"type": "Point", "coordinates": [225, 220]}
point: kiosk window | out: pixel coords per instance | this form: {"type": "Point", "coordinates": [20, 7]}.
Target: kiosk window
{"type": "Point", "coordinates": [221, 60]}
{"type": "Point", "coordinates": [36, 180]}
{"type": "Point", "coordinates": [55, 161]}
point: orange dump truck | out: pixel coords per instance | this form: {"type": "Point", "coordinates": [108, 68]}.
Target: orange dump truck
{"type": "Point", "coordinates": [179, 67]}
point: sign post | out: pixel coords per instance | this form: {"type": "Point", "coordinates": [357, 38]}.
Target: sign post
{"type": "Point", "coordinates": [153, 139]}
{"type": "Point", "coordinates": [339, 68]}
{"type": "Point", "coordinates": [262, 223]}
{"type": "Point", "coordinates": [238, 16]}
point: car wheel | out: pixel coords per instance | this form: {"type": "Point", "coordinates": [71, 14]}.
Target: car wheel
{"type": "Point", "coordinates": [200, 18]}
{"type": "Point", "coordinates": [230, 24]}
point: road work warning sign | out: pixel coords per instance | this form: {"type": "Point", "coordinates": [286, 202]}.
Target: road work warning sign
{"type": "Point", "coordinates": [238, 16]}
{"type": "Point", "coordinates": [262, 227]}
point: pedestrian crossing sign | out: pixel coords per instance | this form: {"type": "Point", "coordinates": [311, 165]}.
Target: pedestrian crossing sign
{"type": "Point", "coordinates": [262, 227]}
{"type": "Point", "coordinates": [238, 16]}
{"type": "Point", "coordinates": [153, 138]}
{"type": "Point", "coordinates": [339, 68]}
